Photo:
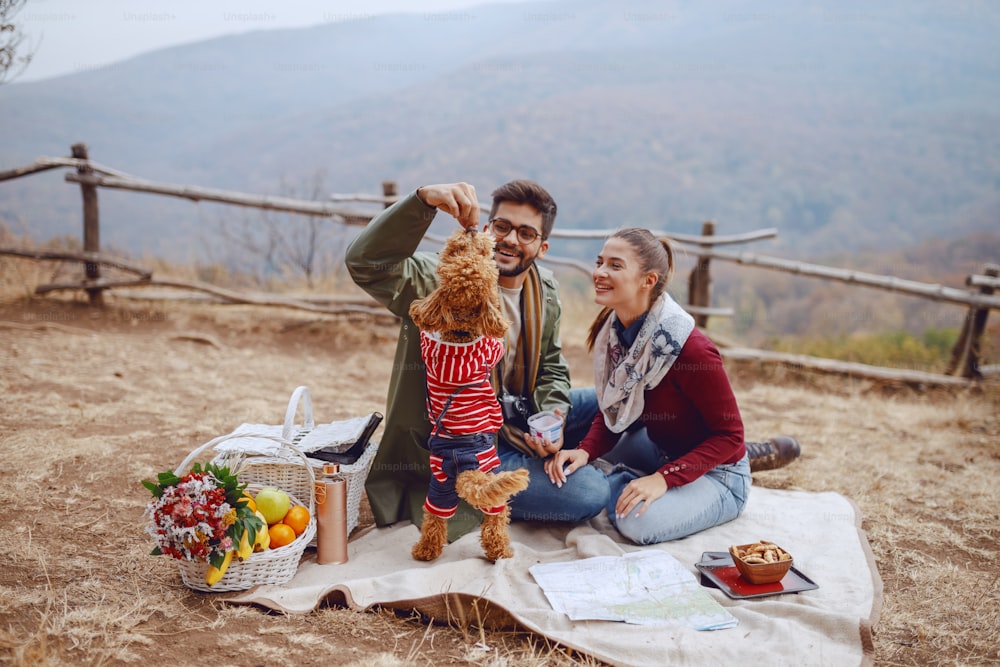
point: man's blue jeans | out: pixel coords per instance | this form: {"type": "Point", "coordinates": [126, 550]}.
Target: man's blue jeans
{"type": "Point", "coordinates": [585, 493]}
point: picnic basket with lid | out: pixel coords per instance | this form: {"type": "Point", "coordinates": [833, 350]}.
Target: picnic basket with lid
{"type": "Point", "coordinates": [277, 467]}
{"type": "Point", "coordinates": [270, 566]}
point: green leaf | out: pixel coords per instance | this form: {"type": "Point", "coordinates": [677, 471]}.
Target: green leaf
{"type": "Point", "coordinates": [168, 478]}
{"type": "Point", "coordinates": [217, 559]}
{"type": "Point", "coordinates": [255, 524]}
{"type": "Point", "coordinates": [156, 551]}
{"type": "Point", "coordinates": [155, 489]}
{"type": "Point", "coordinates": [248, 522]}
{"type": "Point", "coordinates": [251, 532]}
{"type": "Point", "coordinates": [227, 481]}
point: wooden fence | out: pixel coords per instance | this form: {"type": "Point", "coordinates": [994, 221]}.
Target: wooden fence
{"type": "Point", "coordinates": [964, 364]}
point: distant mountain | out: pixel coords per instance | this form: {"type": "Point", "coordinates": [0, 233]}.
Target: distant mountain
{"type": "Point", "coordinates": [846, 126]}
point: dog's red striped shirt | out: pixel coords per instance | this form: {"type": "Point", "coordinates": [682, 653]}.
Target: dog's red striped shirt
{"type": "Point", "coordinates": [475, 408]}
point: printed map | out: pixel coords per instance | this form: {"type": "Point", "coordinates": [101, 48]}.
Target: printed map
{"type": "Point", "coordinates": [643, 587]}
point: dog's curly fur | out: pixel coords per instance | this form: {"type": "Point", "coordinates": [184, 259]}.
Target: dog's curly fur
{"type": "Point", "coordinates": [466, 305]}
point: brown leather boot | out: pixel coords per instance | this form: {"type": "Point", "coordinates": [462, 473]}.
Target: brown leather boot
{"type": "Point", "coordinates": [776, 452]}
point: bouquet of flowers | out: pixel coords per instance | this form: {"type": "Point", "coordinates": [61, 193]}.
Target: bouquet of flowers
{"type": "Point", "coordinates": [204, 515]}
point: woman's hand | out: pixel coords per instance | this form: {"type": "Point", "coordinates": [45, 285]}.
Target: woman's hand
{"type": "Point", "coordinates": [563, 463]}
{"type": "Point", "coordinates": [456, 199]}
{"type": "Point", "coordinates": [641, 490]}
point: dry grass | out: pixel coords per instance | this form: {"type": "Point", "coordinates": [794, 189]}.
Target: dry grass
{"type": "Point", "coordinates": [95, 400]}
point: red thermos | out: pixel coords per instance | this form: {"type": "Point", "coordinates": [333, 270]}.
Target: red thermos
{"type": "Point", "coordinates": [331, 516]}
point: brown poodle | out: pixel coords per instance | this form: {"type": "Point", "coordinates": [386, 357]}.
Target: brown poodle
{"type": "Point", "coordinates": [461, 340]}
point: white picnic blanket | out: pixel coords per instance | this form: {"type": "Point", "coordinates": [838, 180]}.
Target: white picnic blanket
{"type": "Point", "coordinates": [830, 625]}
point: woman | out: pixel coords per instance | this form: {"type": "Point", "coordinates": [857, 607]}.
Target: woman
{"type": "Point", "coordinates": [653, 368]}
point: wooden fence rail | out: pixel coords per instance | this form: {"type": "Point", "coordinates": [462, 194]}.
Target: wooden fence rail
{"type": "Point", "coordinates": [91, 176]}
{"type": "Point", "coordinates": [84, 257]}
{"type": "Point", "coordinates": [600, 234]}
{"type": "Point", "coordinates": [47, 163]}
{"type": "Point", "coordinates": [198, 194]}
{"type": "Point", "coordinates": [891, 283]}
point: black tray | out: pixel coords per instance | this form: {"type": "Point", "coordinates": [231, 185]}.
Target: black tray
{"type": "Point", "coordinates": [717, 571]}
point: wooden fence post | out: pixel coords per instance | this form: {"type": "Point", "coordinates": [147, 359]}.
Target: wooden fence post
{"type": "Point", "coordinates": [961, 344]}
{"type": "Point", "coordinates": [91, 223]}
{"type": "Point", "coordinates": [977, 327]}
{"type": "Point", "coordinates": [965, 355]}
{"type": "Point", "coordinates": [388, 190]}
{"type": "Point", "coordinates": [700, 281]}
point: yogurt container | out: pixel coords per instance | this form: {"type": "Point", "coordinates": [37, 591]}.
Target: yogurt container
{"type": "Point", "coordinates": [545, 424]}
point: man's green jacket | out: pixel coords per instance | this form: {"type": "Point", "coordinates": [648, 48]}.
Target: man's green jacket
{"type": "Point", "coordinates": [384, 262]}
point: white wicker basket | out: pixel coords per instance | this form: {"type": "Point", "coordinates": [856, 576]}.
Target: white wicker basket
{"type": "Point", "coordinates": [271, 566]}
{"type": "Point", "coordinates": [281, 471]}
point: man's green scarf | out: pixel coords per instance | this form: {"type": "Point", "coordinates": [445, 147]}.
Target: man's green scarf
{"type": "Point", "coordinates": [527, 356]}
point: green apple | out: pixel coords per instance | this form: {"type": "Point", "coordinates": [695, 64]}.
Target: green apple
{"type": "Point", "coordinates": [273, 504]}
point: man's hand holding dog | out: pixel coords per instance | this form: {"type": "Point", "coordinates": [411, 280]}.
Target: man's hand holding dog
{"type": "Point", "coordinates": [456, 199]}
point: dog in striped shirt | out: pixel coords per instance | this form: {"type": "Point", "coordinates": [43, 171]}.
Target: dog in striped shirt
{"type": "Point", "coordinates": [461, 340]}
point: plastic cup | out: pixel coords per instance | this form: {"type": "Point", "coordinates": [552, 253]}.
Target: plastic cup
{"type": "Point", "coordinates": [545, 424]}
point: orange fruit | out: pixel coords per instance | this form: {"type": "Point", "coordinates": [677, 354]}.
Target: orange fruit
{"type": "Point", "coordinates": [281, 534]}
{"type": "Point", "coordinates": [298, 518]}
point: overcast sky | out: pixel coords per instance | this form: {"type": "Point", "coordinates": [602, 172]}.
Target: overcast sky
{"type": "Point", "coordinates": [76, 35]}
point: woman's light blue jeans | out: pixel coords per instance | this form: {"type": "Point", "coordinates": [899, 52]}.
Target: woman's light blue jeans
{"type": "Point", "coordinates": [714, 498]}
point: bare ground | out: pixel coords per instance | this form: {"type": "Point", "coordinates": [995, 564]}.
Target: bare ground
{"type": "Point", "coordinates": [95, 400]}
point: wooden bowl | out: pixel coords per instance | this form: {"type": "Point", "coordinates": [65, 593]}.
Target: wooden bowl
{"type": "Point", "coordinates": [761, 573]}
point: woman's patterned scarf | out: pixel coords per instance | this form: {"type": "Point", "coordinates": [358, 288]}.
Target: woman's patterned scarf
{"type": "Point", "coordinates": [621, 376]}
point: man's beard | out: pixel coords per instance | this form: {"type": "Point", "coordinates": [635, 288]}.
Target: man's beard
{"type": "Point", "coordinates": [523, 264]}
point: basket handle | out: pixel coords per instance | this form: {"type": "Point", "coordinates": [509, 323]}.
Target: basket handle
{"type": "Point", "coordinates": [186, 463]}
{"type": "Point", "coordinates": [300, 393]}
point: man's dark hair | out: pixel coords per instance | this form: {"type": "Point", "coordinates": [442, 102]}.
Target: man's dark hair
{"type": "Point", "coordinates": [523, 191]}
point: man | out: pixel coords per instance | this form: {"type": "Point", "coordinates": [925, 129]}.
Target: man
{"type": "Point", "coordinates": [533, 376]}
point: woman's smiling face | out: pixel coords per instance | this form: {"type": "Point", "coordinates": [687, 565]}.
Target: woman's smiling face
{"type": "Point", "coordinates": [619, 282]}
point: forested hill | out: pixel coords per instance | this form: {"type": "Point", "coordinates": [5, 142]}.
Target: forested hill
{"type": "Point", "coordinates": [845, 125]}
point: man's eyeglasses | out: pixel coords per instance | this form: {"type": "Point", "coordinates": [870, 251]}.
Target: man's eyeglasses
{"type": "Point", "coordinates": [525, 234]}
